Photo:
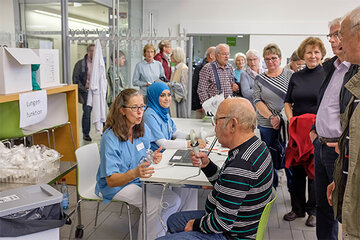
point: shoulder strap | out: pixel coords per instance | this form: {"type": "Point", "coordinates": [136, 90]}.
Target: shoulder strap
{"type": "Point", "coordinates": [216, 77]}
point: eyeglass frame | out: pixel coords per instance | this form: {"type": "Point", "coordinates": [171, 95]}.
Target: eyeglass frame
{"type": "Point", "coordinates": [335, 34]}
{"type": "Point", "coordinates": [214, 119]}
{"type": "Point", "coordinates": [137, 108]}
{"type": "Point", "coordinates": [273, 59]}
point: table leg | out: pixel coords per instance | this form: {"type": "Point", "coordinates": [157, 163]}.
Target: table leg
{"type": "Point", "coordinates": [144, 210]}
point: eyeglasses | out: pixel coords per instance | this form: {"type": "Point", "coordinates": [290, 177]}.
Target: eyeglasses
{"type": "Point", "coordinates": [273, 59]}
{"type": "Point", "coordinates": [225, 54]}
{"type": "Point", "coordinates": [136, 108]}
{"type": "Point", "coordinates": [335, 34]}
{"type": "Point", "coordinates": [252, 59]}
{"type": "Point", "coordinates": [215, 119]}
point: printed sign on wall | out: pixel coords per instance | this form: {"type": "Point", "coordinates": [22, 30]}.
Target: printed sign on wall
{"type": "Point", "coordinates": [33, 107]}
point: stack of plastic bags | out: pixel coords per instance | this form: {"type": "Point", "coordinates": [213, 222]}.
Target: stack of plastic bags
{"type": "Point", "coordinates": [33, 164]}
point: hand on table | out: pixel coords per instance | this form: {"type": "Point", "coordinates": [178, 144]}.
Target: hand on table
{"type": "Point", "coordinates": [157, 155]}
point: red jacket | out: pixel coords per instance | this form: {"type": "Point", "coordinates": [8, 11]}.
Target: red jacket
{"type": "Point", "coordinates": [300, 150]}
{"type": "Point", "coordinates": [161, 58]}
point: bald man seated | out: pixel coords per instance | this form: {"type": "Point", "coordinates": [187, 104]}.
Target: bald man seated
{"type": "Point", "coordinates": [242, 186]}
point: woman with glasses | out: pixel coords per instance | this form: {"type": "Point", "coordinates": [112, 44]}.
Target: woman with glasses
{"type": "Point", "coordinates": [248, 76]}
{"type": "Point", "coordinates": [123, 145]}
{"type": "Point", "coordinates": [164, 133]}
{"type": "Point", "coordinates": [270, 90]}
{"type": "Point", "coordinates": [301, 99]}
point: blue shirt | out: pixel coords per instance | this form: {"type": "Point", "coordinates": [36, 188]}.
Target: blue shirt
{"type": "Point", "coordinates": [147, 73]}
{"type": "Point", "coordinates": [159, 128]}
{"type": "Point", "coordinates": [237, 74]}
{"type": "Point", "coordinates": [119, 157]}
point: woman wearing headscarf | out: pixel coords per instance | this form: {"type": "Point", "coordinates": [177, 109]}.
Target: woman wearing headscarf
{"type": "Point", "coordinates": [163, 130]}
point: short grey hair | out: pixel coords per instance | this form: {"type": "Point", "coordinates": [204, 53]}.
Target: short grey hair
{"type": "Point", "coordinates": [220, 45]}
{"type": "Point", "coordinates": [210, 50]}
{"type": "Point", "coordinates": [239, 54]}
{"type": "Point", "coordinates": [178, 55]}
{"type": "Point", "coordinates": [252, 52]}
{"type": "Point", "coordinates": [336, 21]}
{"type": "Point", "coordinates": [354, 17]}
{"type": "Point", "coordinates": [294, 57]}
{"type": "Point", "coordinates": [246, 118]}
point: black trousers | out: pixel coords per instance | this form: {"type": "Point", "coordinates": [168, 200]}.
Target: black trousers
{"type": "Point", "coordinates": [297, 192]}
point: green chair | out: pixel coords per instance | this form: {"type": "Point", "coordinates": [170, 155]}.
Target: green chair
{"type": "Point", "coordinates": [10, 123]}
{"type": "Point", "coordinates": [265, 217]}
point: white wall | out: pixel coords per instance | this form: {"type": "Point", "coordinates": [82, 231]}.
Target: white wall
{"type": "Point", "coordinates": [283, 22]}
{"type": "Point", "coordinates": [7, 21]}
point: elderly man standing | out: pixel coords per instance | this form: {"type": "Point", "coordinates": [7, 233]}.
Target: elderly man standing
{"type": "Point", "coordinates": [332, 101]}
{"type": "Point", "coordinates": [346, 195]}
{"type": "Point", "coordinates": [195, 101]}
{"type": "Point", "coordinates": [218, 76]}
{"type": "Point", "coordinates": [242, 186]}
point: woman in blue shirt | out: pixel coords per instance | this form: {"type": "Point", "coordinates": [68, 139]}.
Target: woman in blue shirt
{"type": "Point", "coordinates": [124, 143]}
{"type": "Point", "coordinates": [164, 130]}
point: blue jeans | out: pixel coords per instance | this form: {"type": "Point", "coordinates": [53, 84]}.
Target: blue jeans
{"type": "Point", "coordinates": [326, 226]}
{"type": "Point", "coordinates": [268, 135]}
{"type": "Point", "coordinates": [176, 224]}
{"type": "Point", "coordinates": [86, 115]}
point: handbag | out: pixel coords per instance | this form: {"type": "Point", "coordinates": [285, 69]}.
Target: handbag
{"type": "Point", "coordinates": [277, 147]}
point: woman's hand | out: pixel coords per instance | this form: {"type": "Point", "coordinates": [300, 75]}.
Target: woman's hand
{"type": "Point", "coordinates": [275, 122]}
{"type": "Point", "coordinates": [143, 170]}
{"type": "Point", "coordinates": [157, 155]}
{"type": "Point", "coordinates": [201, 157]}
{"type": "Point", "coordinates": [312, 135]}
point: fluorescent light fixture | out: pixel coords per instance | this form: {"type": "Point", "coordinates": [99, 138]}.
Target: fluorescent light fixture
{"type": "Point", "coordinates": [240, 36]}
{"type": "Point", "coordinates": [70, 18]}
{"type": "Point", "coordinates": [76, 4]}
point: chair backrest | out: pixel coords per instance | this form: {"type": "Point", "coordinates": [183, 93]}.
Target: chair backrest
{"type": "Point", "coordinates": [88, 160]}
{"type": "Point", "coordinates": [265, 217]}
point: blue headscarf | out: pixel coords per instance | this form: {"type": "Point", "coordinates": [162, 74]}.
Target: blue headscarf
{"type": "Point", "coordinates": [153, 93]}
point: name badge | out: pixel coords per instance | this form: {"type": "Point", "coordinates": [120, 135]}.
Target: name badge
{"type": "Point", "coordinates": [140, 146]}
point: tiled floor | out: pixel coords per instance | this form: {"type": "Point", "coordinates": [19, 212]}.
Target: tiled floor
{"type": "Point", "coordinates": [114, 225]}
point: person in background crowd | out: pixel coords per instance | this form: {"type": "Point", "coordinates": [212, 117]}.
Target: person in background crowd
{"type": "Point", "coordinates": [195, 100]}
{"type": "Point", "coordinates": [242, 186]}
{"type": "Point", "coordinates": [164, 130]}
{"type": "Point", "coordinates": [81, 77]}
{"type": "Point", "coordinates": [346, 195]}
{"type": "Point", "coordinates": [218, 76]}
{"type": "Point", "coordinates": [124, 143]}
{"type": "Point", "coordinates": [179, 84]}
{"type": "Point", "coordinates": [332, 101]}
{"type": "Point", "coordinates": [147, 71]}
{"type": "Point", "coordinates": [295, 63]}
{"type": "Point", "coordinates": [270, 90]}
{"type": "Point", "coordinates": [301, 98]}
{"type": "Point", "coordinates": [119, 78]}
{"type": "Point", "coordinates": [240, 63]}
{"type": "Point", "coordinates": [164, 57]}
{"type": "Point", "coordinates": [248, 76]}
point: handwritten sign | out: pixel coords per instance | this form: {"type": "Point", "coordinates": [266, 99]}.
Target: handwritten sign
{"type": "Point", "coordinates": [33, 107]}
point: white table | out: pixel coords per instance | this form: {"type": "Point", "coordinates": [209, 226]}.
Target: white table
{"type": "Point", "coordinates": [165, 173]}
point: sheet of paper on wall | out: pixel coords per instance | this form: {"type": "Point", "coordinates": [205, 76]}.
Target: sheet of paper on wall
{"type": "Point", "coordinates": [33, 107]}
